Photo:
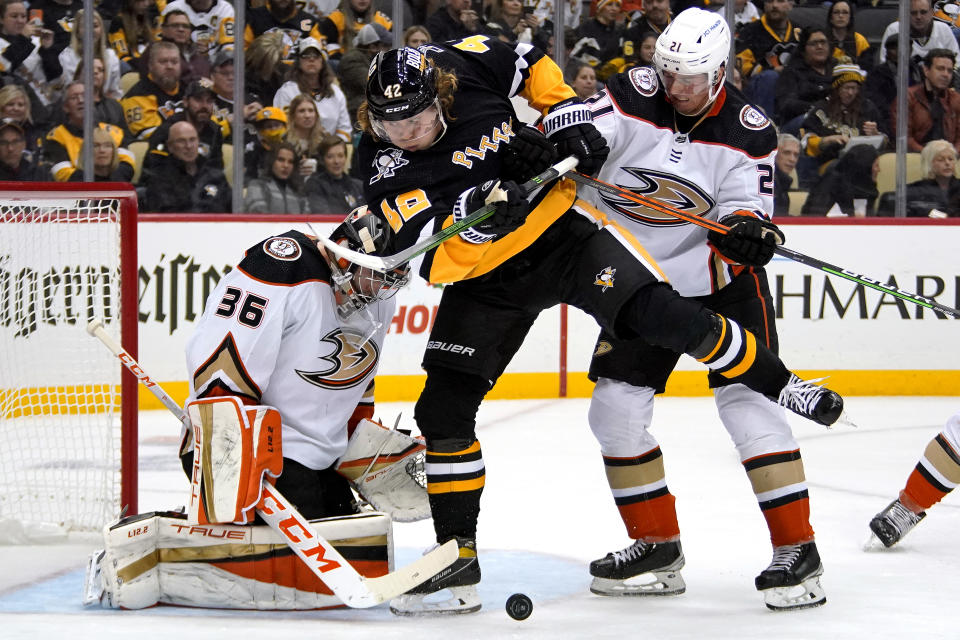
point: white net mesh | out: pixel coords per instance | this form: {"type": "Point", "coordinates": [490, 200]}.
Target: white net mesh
{"type": "Point", "coordinates": [59, 387]}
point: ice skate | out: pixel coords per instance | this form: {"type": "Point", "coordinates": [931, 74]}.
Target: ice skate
{"type": "Point", "coordinates": [894, 522]}
{"type": "Point", "coordinates": [459, 580]}
{"type": "Point", "coordinates": [792, 581]}
{"type": "Point", "coordinates": [808, 399]}
{"type": "Point", "coordinates": [642, 569]}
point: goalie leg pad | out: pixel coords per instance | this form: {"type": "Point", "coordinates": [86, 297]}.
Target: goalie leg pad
{"type": "Point", "coordinates": [386, 467]}
{"type": "Point", "coordinates": [158, 558]}
{"type": "Point", "coordinates": [234, 448]}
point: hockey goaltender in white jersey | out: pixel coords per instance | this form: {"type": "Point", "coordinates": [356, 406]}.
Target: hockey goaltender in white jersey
{"type": "Point", "coordinates": [286, 350]}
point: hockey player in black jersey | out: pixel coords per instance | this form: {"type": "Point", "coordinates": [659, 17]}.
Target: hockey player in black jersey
{"type": "Point", "coordinates": [441, 139]}
{"type": "Point", "coordinates": [679, 134]}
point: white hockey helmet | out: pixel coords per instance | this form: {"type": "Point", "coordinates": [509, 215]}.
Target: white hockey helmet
{"type": "Point", "coordinates": [696, 41]}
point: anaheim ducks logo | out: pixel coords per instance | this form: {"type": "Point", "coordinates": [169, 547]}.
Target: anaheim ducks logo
{"type": "Point", "coordinates": [349, 365]}
{"type": "Point", "coordinates": [665, 188]}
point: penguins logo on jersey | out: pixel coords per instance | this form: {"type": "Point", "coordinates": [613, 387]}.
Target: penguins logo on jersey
{"type": "Point", "coordinates": [604, 279]}
{"type": "Point", "coordinates": [349, 365]}
{"type": "Point", "coordinates": [666, 188]}
{"type": "Point", "coordinates": [387, 162]}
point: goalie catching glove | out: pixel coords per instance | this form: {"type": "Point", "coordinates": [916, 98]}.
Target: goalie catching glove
{"type": "Point", "coordinates": [385, 466]}
{"type": "Point", "coordinates": [510, 210]}
{"type": "Point", "coordinates": [749, 240]}
{"type": "Point", "coordinates": [569, 125]}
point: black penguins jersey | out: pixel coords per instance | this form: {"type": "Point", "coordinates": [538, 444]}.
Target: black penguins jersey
{"type": "Point", "coordinates": [415, 190]}
{"type": "Point", "coordinates": [710, 166]}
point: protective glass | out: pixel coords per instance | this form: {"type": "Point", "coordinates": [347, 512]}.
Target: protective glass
{"type": "Point", "coordinates": [688, 84]}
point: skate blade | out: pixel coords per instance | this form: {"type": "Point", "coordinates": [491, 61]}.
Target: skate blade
{"type": "Point", "coordinates": [460, 600]}
{"type": "Point", "coordinates": [807, 594]}
{"type": "Point", "coordinates": [657, 583]}
{"type": "Point", "coordinates": [93, 581]}
{"type": "Point", "coordinates": [844, 420]}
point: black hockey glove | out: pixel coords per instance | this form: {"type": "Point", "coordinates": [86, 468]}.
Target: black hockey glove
{"type": "Point", "coordinates": [528, 154]}
{"type": "Point", "coordinates": [569, 125]}
{"type": "Point", "coordinates": [750, 240]}
{"type": "Point", "coordinates": [511, 209]}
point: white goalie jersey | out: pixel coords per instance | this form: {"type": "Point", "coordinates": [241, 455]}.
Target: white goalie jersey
{"type": "Point", "coordinates": [723, 164]}
{"type": "Point", "coordinates": [270, 335]}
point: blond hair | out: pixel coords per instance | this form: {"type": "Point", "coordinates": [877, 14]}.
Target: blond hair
{"type": "Point", "coordinates": [10, 92]}
{"type": "Point", "coordinates": [930, 151]}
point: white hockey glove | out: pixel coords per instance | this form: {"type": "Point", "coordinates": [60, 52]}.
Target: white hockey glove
{"type": "Point", "coordinates": [385, 466]}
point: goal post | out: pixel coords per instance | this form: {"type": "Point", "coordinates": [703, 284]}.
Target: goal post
{"type": "Point", "coordinates": [68, 408]}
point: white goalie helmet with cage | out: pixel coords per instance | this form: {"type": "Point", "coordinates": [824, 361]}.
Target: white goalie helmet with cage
{"type": "Point", "coordinates": [696, 42]}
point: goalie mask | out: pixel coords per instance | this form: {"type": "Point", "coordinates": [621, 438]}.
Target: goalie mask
{"type": "Point", "coordinates": [402, 103]}
{"type": "Point", "coordinates": [357, 287]}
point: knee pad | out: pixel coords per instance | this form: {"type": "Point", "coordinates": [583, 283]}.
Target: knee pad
{"type": "Point", "coordinates": [619, 417]}
{"type": "Point", "coordinates": [447, 407]}
{"type": "Point", "coordinates": [756, 425]}
{"type": "Point", "coordinates": [659, 315]}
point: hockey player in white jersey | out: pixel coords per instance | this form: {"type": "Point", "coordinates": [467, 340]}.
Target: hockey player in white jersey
{"type": "Point", "coordinates": [679, 134]}
{"type": "Point", "coordinates": [286, 350]}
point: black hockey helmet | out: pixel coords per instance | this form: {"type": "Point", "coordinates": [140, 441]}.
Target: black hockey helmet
{"type": "Point", "coordinates": [364, 232]}
{"type": "Point", "coordinates": [400, 84]}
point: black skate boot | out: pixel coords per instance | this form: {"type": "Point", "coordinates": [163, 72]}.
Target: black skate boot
{"type": "Point", "coordinates": [642, 569]}
{"type": "Point", "coordinates": [792, 581]}
{"type": "Point", "coordinates": [460, 578]}
{"type": "Point", "coordinates": [894, 522]}
{"type": "Point", "coordinates": [806, 398]}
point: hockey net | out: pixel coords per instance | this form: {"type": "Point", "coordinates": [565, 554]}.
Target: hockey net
{"type": "Point", "coordinates": [67, 410]}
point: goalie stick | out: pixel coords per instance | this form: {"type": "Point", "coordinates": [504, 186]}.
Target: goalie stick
{"type": "Point", "coordinates": [316, 552]}
{"type": "Point", "coordinates": [387, 263]}
{"type": "Point", "coordinates": [796, 256]}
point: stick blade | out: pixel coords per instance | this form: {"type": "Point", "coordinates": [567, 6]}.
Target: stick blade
{"type": "Point", "coordinates": [364, 260]}
{"type": "Point", "coordinates": [395, 583]}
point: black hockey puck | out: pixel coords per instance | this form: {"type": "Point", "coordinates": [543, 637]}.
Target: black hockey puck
{"type": "Point", "coordinates": [519, 606]}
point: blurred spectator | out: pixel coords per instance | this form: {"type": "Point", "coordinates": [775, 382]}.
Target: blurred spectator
{"type": "Point", "coordinates": [833, 121]}
{"type": "Point", "coordinates": [788, 152]}
{"type": "Point", "coordinates": [305, 133]}
{"type": "Point", "coordinates": [26, 49]}
{"type": "Point", "coordinates": [277, 190]}
{"type": "Point", "coordinates": [71, 56]}
{"type": "Point", "coordinates": [63, 145]}
{"type": "Point", "coordinates": [176, 28]}
{"type": "Point", "coordinates": [844, 39]}
{"type": "Point", "coordinates": [186, 183]}
{"type": "Point", "coordinates": [198, 108]}
{"type": "Point", "coordinates": [56, 16]}
{"type": "Point", "coordinates": [15, 105]}
{"type": "Point", "coordinates": [849, 186]}
{"type": "Point", "coordinates": [106, 159]}
{"type": "Point", "coordinates": [744, 12]}
{"type": "Point", "coordinates": [342, 25]}
{"type": "Point", "coordinates": [355, 64]}
{"type": "Point", "coordinates": [16, 164]}
{"type": "Point", "coordinates": [105, 109]}
{"type": "Point", "coordinates": [155, 97]}
{"type": "Point", "coordinates": [598, 38]}
{"type": "Point", "coordinates": [581, 77]}
{"type": "Point", "coordinates": [212, 23]}
{"type": "Point", "coordinates": [330, 189]}
{"type": "Point", "coordinates": [939, 191]}
{"type": "Point", "coordinates": [763, 48]}
{"type": "Point", "coordinates": [454, 20]}
{"type": "Point", "coordinates": [933, 107]}
{"type": "Point", "coordinates": [266, 66]}
{"type": "Point", "coordinates": [133, 29]}
{"type": "Point", "coordinates": [313, 76]}
{"type": "Point", "coordinates": [572, 12]}
{"type": "Point", "coordinates": [654, 19]}
{"type": "Point", "coordinates": [283, 17]}
{"type": "Point", "coordinates": [271, 126]}
{"type": "Point", "coordinates": [222, 76]}
{"type": "Point", "coordinates": [926, 34]}
{"type": "Point", "coordinates": [511, 21]}
{"type": "Point", "coordinates": [805, 79]}
{"type": "Point", "coordinates": [635, 50]}
{"type": "Point", "coordinates": [881, 85]}
{"type": "Point", "coordinates": [417, 35]}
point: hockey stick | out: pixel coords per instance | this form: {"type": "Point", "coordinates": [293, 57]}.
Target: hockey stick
{"type": "Point", "coordinates": [796, 256]}
{"type": "Point", "coordinates": [314, 550]}
{"type": "Point", "coordinates": [386, 263]}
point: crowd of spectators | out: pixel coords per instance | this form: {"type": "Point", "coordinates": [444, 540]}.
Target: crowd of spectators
{"type": "Point", "coordinates": [163, 74]}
